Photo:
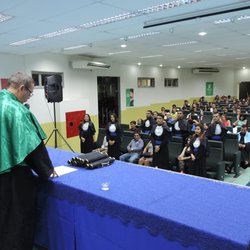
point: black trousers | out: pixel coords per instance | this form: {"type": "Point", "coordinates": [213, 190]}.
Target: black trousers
{"type": "Point", "coordinates": [17, 209]}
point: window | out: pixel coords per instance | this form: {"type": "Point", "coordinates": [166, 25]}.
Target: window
{"type": "Point", "coordinates": [144, 82]}
{"type": "Point", "coordinates": [171, 82]}
{"type": "Point", "coordinates": [39, 77]}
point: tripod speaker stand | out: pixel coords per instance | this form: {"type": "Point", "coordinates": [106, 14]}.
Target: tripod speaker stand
{"type": "Point", "coordinates": [56, 131]}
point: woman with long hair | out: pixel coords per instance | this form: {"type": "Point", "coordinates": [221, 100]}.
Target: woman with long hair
{"type": "Point", "coordinates": [113, 133]}
{"type": "Point", "coordinates": [87, 132]}
{"type": "Point", "coordinates": [199, 151]}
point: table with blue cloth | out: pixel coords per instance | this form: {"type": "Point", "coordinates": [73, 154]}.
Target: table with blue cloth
{"type": "Point", "coordinates": [145, 208]}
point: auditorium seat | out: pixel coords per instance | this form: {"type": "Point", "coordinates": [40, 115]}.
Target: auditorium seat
{"type": "Point", "coordinates": [127, 136]}
{"type": "Point", "coordinates": [231, 154]}
{"type": "Point", "coordinates": [174, 148]}
{"type": "Point", "coordinates": [214, 164]}
{"type": "Point", "coordinates": [101, 135]}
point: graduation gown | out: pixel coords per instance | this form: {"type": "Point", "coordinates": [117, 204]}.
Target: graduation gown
{"type": "Point", "coordinates": [160, 135]}
{"type": "Point", "coordinates": [113, 133]}
{"type": "Point", "coordinates": [87, 131]}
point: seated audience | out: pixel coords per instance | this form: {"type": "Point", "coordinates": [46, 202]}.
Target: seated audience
{"type": "Point", "coordinates": [147, 154]}
{"type": "Point", "coordinates": [134, 149]}
{"type": "Point", "coordinates": [244, 145]}
{"type": "Point", "coordinates": [225, 121]}
{"type": "Point", "coordinates": [241, 121]}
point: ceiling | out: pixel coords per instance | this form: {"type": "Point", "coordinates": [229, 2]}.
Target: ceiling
{"type": "Point", "coordinates": [225, 45]}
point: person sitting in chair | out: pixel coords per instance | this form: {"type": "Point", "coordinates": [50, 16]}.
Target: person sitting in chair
{"type": "Point", "coordinates": [244, 146]}
{"type": "Point", "coordinates": [134, 149]}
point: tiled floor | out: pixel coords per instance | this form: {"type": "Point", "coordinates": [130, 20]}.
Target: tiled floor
{"type": "Point", "coordinates": [243, 179]}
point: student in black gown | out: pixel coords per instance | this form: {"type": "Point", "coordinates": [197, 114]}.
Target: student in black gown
{"type": "Point", "coordinates": [160, 135]}
{"type": "Point", "coordinates": [87, 132]}
{"type": "Point", "coordinates": [113, 133]}
{"type": "Point", "coordinates": [199, 152]}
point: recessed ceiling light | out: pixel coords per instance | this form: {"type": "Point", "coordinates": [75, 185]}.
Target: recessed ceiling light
{"type": "Point", "coordinates": [202, 33]}
{"type": "Point", "coordinates": [123, 45]}
{"type": "Point", "coordinates": [160, 65]}
{"type": "Point", "coordinates": [178, 67]}
{"type": "Point", "coordinates": [243, 67]}
{"type": "Point", "coordinates": [139, 63]}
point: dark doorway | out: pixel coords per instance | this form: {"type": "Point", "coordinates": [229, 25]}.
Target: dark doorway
{"type": "Point", "coordinates": [244, 90]}
{"type": "Point", "coordinates": [108, 98]}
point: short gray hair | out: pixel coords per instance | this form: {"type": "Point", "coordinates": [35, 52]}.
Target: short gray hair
{"type": "Point", "coordinates": [18, 79]}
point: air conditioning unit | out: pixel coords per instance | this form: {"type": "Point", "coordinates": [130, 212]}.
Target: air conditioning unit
{"type": "Point", "coordinates": [82, 64]}
{"type": "Point", "coordinates": [205, 70]}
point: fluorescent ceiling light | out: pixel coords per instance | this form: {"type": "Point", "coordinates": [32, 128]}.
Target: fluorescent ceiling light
{"type": "Point", "coordinates": [242, 58]}
{"type": "Point", "coordinates": [59, 32]}
{"type": "Point", "coordinates": [152, 56]}
{"type": "Point", "coordinates": [179, 44]}
{"type": "Point", "coordinates": [119, 52]}
{"type": "Point", "coordinates": [123, 45]}
{"type": "Point", "coordinates": [234, 7]}
{"type": "Point", "coordinates": [125, 38]}
{"type": "Point", "coordinates": [205, 50]}
{"type": "Point", "coordinates": [120, 17]}
{"type": "Point", "coordinates": [26, 41]}
{"type": "Point", "coordinates": [4, 17]}
{"type": "Point", "coordinates": [75, 47]}
{"type": "Point", "coordinates": [233, 19]}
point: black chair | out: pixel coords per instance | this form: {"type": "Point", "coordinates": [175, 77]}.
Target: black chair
{"type": "Point", "coordinates": [175, 146]}
{"type": "Point", "coordinates": [215, 165]}
{"type": "Point", "coordinates": [124, 126]}
{"type": "Point", "coordinates": [127, 136]}
{"type": "Point", "coordinates": [207, 117]}
{"type": "Point", "coordinates": [231, 154]}
{"type": "Point", "coordinates": [101, 135]}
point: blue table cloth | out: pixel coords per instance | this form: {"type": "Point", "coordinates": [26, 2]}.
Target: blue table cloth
{"type": "Point", "coordinates": [145, 208]}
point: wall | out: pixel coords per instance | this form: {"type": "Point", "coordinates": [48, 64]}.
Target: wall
{"type": "Point", "coordinates": [80, 87]}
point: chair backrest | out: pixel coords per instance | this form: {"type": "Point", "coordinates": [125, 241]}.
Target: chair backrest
{"type": "Point", "coordinates": [230, 146]}
{"type": "Point", "coordinates": [124, 126]}
{"type": "Point", "coordinates": [126, 139]}
{"type": "Point", "coordinates": [101, 135]}
{"type": "Point", "coordinates": [215, 154]}
{"type": "Point", "coordinates": [174, 148]}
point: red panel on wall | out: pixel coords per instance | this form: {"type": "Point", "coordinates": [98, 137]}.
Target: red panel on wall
{"type": "Point", "coordinates": [4, 83]}
{"type": "Point", "coordinates": [73, 120]}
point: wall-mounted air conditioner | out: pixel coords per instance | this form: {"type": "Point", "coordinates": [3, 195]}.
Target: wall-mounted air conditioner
{"type": "Point", "coordinates": [82, 64]}
{"type": "Point", "coordinates": [205, 70]}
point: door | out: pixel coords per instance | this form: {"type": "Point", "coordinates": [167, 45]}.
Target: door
{"type": "Point", "coordinates": [244, 90]}
{"type": "Point", "coordinates": [108, 98]}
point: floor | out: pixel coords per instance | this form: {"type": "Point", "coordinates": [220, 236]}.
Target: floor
{"type": "Point", "coordinates": [242, 180]}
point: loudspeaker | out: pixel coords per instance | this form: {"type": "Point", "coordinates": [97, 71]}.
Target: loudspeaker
{"type": "Point", "coordinates": [53, 88]}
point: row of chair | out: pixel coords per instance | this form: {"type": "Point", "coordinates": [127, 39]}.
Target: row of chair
{"type": "Point", "coordinates": [221, 154]}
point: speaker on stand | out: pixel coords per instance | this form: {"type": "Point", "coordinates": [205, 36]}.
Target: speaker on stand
{"type": "Point", "coordinates": [53, 93]}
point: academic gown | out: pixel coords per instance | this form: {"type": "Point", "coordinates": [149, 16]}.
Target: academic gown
{"type": "Point", "coordinates": [113, 133]}
{"type": "Point", "coordinates": [160, 135]}
{"type": "Point", "coordinates": [22, 150]}
{"type": "Point", "coordinates": [200, 151]}
{"type": "Point", "coordinates": [87, 131]}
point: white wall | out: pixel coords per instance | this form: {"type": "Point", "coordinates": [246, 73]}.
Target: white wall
{"type": "Point", "coordinates": [80, 86]}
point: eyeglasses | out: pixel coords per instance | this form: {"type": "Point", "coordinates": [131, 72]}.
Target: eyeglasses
{"type": "Point", "coordinates": [31, 92]}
